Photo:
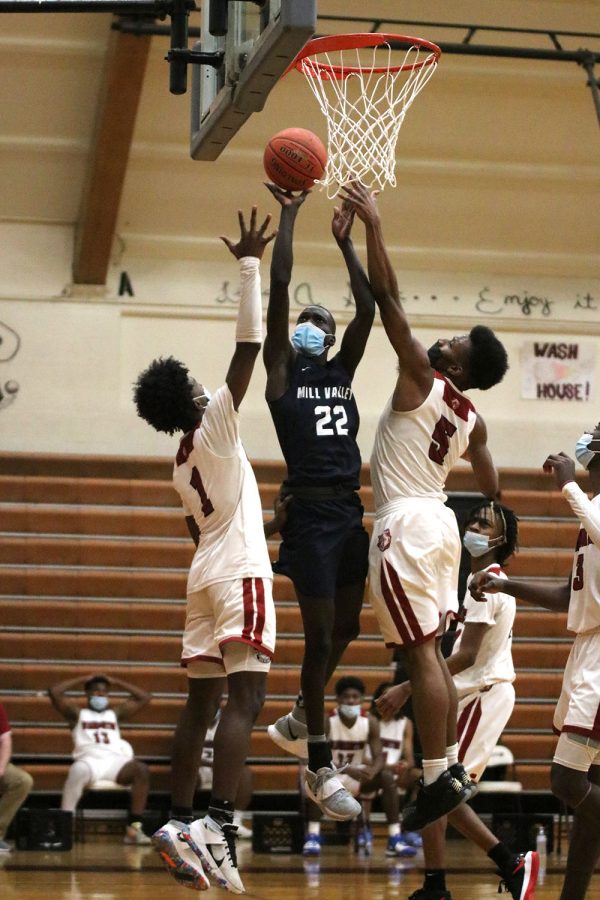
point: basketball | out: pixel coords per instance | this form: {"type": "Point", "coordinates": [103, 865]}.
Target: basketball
{"type": "Point", "coordinates": [294, 159]}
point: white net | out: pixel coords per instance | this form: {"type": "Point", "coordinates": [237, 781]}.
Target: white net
{"type": "Point", "coordinates": [365, 108]}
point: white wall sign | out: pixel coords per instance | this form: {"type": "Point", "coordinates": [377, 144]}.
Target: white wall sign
{"type": "Point", "coordinates": [557, 370]}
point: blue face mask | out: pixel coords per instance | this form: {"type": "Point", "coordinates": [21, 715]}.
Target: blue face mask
{"type": "Point", "coordinates": [583, 454]}
{"type": "Point", "coordinates": [350, 711]}
{"type": "Point", "coordinates": [308, 339]}
{"type": "Point", "coordinates": [476, 544]}
{"type": "Point", "coordinates": [98, 704]}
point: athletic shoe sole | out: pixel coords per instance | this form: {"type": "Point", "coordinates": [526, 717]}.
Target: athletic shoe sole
{"type": "Point", "coordinates": [532, 866]}
{"type": "Point", "coordinates": [297, 747]}
{"type": "Point", "coordinates": [182, 871]}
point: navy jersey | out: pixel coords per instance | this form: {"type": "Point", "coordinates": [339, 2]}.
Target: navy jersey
{"type": "Point", "coordinates": [317, 422]}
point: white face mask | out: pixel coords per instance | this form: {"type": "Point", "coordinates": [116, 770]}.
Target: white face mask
{"type": "Point", "coordinates": [350, 711]}
{"type": "Point", "coordinates": [478, 544]}
{"type": "Point", "coordinates": [583, 454]}
{"type": "Point", "coordinates": [98, 704]}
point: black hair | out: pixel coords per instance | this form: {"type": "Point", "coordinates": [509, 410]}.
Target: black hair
{"type": "Point", "coordinates": [324, 308]}
{"type": "Point", "coordinates": [488, 360]}
{"type": "Point", "coordinates": [349, 681]}
{"type": "Point", "coordinates": [511, 528]}
{"type": "Point", "coordinates": [93, 681]}
{"type": "Point", "coordinates": [163, 396]}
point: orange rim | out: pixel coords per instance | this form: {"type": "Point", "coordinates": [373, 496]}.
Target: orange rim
{"type": "Point", "coordinates": [334, 42]}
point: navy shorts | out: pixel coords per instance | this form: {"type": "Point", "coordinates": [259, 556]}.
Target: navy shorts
{"type": "Point", "coordinates": [325, 546]}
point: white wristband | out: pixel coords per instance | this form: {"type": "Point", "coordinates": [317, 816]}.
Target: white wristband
{"type": "Point", "coordinates": [248, 329]}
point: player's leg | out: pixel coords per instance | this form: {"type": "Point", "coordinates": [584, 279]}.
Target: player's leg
{"type": "Point", "coordinates": [78, 778]}
{"type": "Point", "coordinates": [385, 783]}
{"type": "Point", "coordinates": [242, 802]}
{"type": "Point", "coordinates": [171, 841]}
{"type": "Point", "coordinates": [135, 774]}
{"type": "Point", "coordinates": [312, 838]}
{"type": "Point", "coordinates": [213, 837]}
{"type": "Point", "coordinates": [452, 747]}
{"type": "Point", "coordinates": [581, 791]}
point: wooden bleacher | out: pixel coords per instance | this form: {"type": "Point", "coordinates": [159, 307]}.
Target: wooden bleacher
{"type": "Point", "coordinates": [94, 555]}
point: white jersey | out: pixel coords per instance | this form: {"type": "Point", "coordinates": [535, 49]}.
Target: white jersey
{"type": "Point", "coordinates": [414, 451]}
{"type": "Point", "coordinates": [348, 745]}
{"type": "Point", "coordinates": [392, 739]}
{"type": "Point", "coordinates": [494, 659]}
{"type": "Point", "coordinates": [584, 604]}
{"type": "Point", "coordinates": [97, 734]}
{"type": "Point", "coordinates": [217, 486]}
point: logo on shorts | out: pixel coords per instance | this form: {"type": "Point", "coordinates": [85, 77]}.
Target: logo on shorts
{"type": "Point", "coordinates": [262, 658]}
{"type": "Point", "coordinates": [384, 540]}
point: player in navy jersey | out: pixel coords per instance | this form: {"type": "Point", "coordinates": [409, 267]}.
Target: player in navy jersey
{"type": "Point", "coordinates": [324, 549]}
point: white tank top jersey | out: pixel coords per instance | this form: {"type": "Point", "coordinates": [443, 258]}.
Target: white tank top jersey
{"type": "Point", "coordinates": [414, 451]}
{"type": "Point", "coordinates": [217, 486]}
{"type": "Point", "coordinates": [584, 604]}
{"type": "Point", "coordinates": [392, 739]}
{"type": "Point", "coordinates": [494, 660]}
{"type": "Point", "coordinates": [348, 745]}
{"type": "Point", "coordinates": [96, 734]}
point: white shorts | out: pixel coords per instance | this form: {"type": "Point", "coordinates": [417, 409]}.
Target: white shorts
{"type": "Point", "coordinates": [240, 611]}
{"type": "Point", "coordinates": [414, 560]}
{"type": "Point", "coordinates": [482, 717]}
{"type": "Point", "coordinates": [104, 769]}
{"type": "Point", "coordinates": [578, 707]}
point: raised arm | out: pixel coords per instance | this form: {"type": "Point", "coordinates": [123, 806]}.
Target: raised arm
{"type": "Point", "coordinates": [564, 473]}
{"type": "Point", "coordinates": [481, 461]}
{"type": "Point", "coordinates": [412, 355]}
{"type": "Point", "coordinates": [137, 700]}
{"type": "Point", "coordinates": [278, 353]}
{"type": "Point", "coordinates": [248, 334]}
{"type": "Point", "coordinates": [358, 330]}
{"type": "Point", "coordinates": [66, 708]}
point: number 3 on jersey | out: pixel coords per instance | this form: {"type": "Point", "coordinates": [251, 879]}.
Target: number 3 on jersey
{"type": "Point", "coordinates": [325, 426]}
{"type": "Point", "coordinates": [440, 440]}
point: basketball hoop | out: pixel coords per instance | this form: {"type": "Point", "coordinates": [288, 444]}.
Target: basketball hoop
{"type": "Point", "coordinates": [364, 103]}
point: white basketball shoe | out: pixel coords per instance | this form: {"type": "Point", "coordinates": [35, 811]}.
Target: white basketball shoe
{"type": "Point", "coordinates": [178, 857]}
{"type": "Point", "coordinates": [330, 795]}
{"type": "Point", "coordinates": [215, 845]}
{"type": "Point", "coordinates": [291, 735]}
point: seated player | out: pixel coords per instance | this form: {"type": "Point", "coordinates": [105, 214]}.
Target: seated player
{"type": "Point", "coordinates": [353, 736]}
{"type": "Point", "coordinates": [482, 669]}
{"type": "Point", "coordinates": [397, 744]}
{"type": "Point", "coordinates": [205, 780]}
{"type": "Point", "coordinates": [99, 752]}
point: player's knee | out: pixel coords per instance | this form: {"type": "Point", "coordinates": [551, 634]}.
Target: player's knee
{"type": "Point", "coordinates": [317, 647]}
{"type": "Point", "coordinates": [141, 772]}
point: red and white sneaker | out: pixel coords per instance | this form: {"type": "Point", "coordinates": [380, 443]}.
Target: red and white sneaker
{"type": "Point", "coordinates": [522, 880]}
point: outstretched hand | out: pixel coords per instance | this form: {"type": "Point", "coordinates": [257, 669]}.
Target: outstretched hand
{"type": "Point", "coordinates": [361, 200]}
{"type": "Point", "coordinates": [252, 241]}
{"type": "Point", "coordinates": [287, 198]}
{"type": "Point", "coordinates": [562, 466]}
{"type": "Point", "coordinates": [341, 224]}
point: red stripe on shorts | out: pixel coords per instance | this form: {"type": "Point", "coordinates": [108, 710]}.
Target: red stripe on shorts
{"type": "Point", "coordinates": [467, 726]}
{"type": "Point", "coordinates": [254, 609]}
{"type": "Point", "coordinates": [392, 608]}
{"type": "Point", "coordinates": [249, 611]}
{"type": "Point", "coordinates": [404, 603]}
{"type": "Point", "coordinates": [260, 609]}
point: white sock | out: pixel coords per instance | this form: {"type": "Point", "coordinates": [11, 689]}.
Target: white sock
{"type": "Point", "coordinates": [433, 768]}
{"type": "Point", "coordinates": [452, 754]}
{"type": "Point", "coordinates": [314, 828]}
{"type": "Point", "coordinates": [394, 829]}
{"type": "Point", "coordinates": [238, 815]}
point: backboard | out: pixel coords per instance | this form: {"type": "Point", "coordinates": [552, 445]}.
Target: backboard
{"type": "Point", "coordinates": [259, 46]}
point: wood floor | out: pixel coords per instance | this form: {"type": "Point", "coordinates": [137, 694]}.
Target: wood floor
{"type": "Point", "coordinates": [107, 870]}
